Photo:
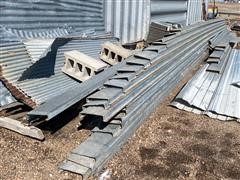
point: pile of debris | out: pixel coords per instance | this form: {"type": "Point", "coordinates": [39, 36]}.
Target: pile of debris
{"type": "Point", "coordinates": [114, 88]}
{"type": "Point", "coordinates": [128, 97]}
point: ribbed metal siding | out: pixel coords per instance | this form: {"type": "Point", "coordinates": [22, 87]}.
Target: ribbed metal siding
{"type": "Point", "coordinates": [169, 11]}
{"type": "Point", "coordinates": [14, 60]}
{"type": "Point", "coordinates": [212, 93]}
{"type": "Point", "coordinates": [194, 13]}
{"type": "Point", "coordinates": [5, 96]}
{"type": "Point", "coordinates": [226, 100]}
{"type": "Point", "coordinates": [38, 15]}
{"type": "Point", "coordinates": [38, 48]}
{"type": "Point", "coordinates": [40, 87]}
{"type": "Point", "coordinates": [44, 79]}
{"type": "Point", "coordinates": [127, 20]}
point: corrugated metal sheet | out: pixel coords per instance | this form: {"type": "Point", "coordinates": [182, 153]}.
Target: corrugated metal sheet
{"type": "Point", "coordinates": [226, 100]}
{"type": "Point", "coordinates": [194, 13]}
{"type": "Point", "coordinates": [5, 96]}
{"type": "Point", "coordinates": [38, 48]}
{"type": "Point", "coordinates": [6, 36]}
{"type": "Point", "coordinates": [14, 60]}
{"type": "Point", "coordinates": [35, 82]}
{"type": "Point", "coordinates": [169, 11]}
{"type": "Point", "coordinates": [45, 79]}
{"type": "Point", "coordinates": [54, 33]}
{"type": "Point", "coordinates": [28, 29]}
{"type": "Point", "coordinates": [127, 20]}
{"type": "Point", "coordinates": [34, 17]}
{"type": "Point", "coordinates": [213, 93]}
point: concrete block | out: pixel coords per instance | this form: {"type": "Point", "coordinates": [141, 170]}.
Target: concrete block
{"type": "Point", "coordinates": [81, 66]}
{"type": "Point", "coordinates": [112, 53]}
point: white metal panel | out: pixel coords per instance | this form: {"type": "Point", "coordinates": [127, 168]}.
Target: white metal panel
{"type": "Point", "coordinates": [194, 13]}
{"type": "Point", "coordinates": [127, 20]}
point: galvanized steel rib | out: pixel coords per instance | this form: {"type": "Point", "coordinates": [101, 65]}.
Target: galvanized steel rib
{"type": "Point", "coordinates": [85, 161]}
{"type": "Point", "coordinates": [144, 81]}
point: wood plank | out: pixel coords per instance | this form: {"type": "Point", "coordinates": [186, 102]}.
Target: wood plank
{"type": "Point", "coordinates": [21, 128]}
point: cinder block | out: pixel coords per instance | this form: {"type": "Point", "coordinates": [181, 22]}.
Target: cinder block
{"type": "Point", "coordinates": [112, 53]}
{"type": "Point", "coordinates": [81, 66]}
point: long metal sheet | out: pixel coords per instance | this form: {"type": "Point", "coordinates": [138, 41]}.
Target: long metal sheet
{"type": "Point", "coordinates": [28, 18]}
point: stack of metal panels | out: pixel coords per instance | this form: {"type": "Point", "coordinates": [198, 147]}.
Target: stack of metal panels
{"type": "Point", "coordinates": [214, 89]}
{"type": "Point", "coordinates": [42, 79]}
{"type": "Point", "coordinates": [135, 78]}
{"type": "Point", "coordinates": [129, 96]}
{"type": "Point", "coordinates": [158, 30]}
{"type": "Point", "coordinates": [50, 108]}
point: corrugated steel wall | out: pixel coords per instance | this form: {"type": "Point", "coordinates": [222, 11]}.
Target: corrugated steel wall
{"type": "Point", "coordinates": [171, 11]}
{"type": "Point", "coordinates": [127, 20]}
{"type": "Point", "coordinates": [194, 13]}
{"type": "Point", "coordinates": [41, 15]}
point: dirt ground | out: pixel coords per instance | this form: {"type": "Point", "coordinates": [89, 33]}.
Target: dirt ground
{"type": "Point", "coordinates": [173, 144]}
{"type": "Point", "coordinates": [228, 6]}
{"type": "Point", "coordinates": [25, 158]}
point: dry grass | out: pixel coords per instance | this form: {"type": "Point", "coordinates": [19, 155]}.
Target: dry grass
{"type": "Point", "coordinates": [229, 7]}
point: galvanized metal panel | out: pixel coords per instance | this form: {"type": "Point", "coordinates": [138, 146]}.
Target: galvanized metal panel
{"type": "Point", "coordinates": [127, 20]}
{"type": "Point", "coordinates": [227, 97]}
{"type": "Point", "coordinates": [32, 18]}
{"type": "Point", "coordinates": [194, 13]}
{"type": "Point", "coordinates": [45, 79]}
{"type": "Point", "coordinates": [14, 59]}
{"type": "Point", "coordinates": [38, 48]}
{"type": "Point", "coordinates": [213, 93]}
{"type": "Point", "coordinates": [5, 96]}
{"type": "Point", "coordinates": [169, 11]}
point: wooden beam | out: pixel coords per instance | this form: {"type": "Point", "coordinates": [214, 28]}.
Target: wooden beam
{"type": "Point", "coordinates": [21, 128]}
